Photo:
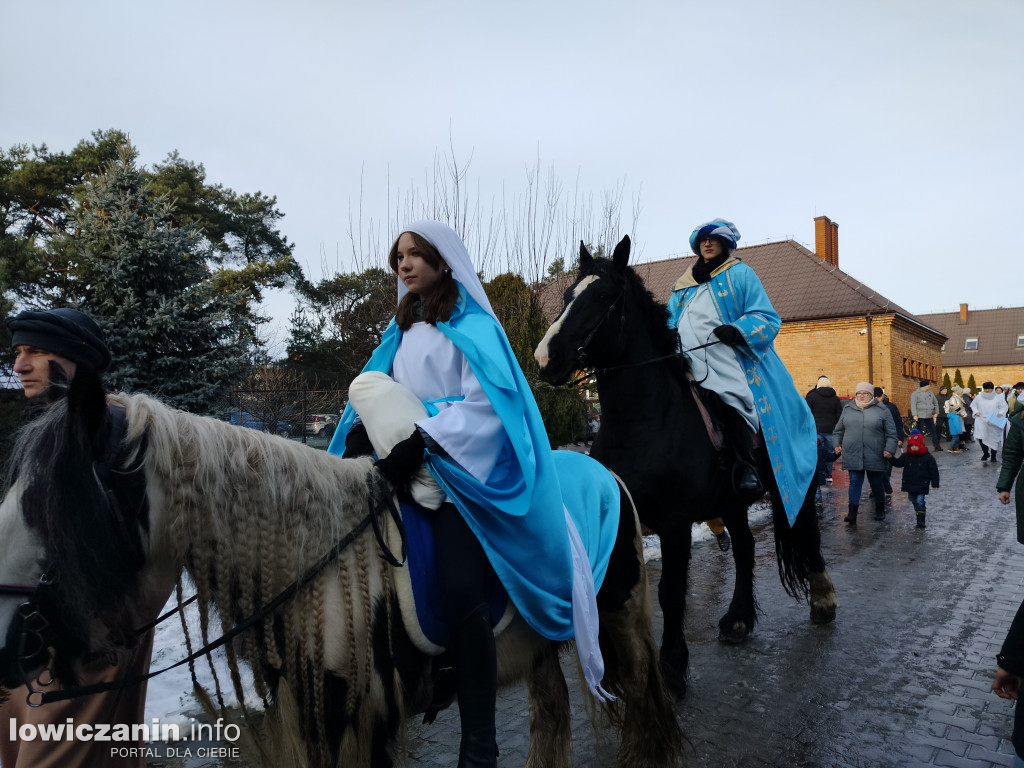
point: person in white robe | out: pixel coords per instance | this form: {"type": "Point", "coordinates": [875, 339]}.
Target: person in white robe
{"type": "Point", "coordinates": [989, 409]}
{"type": "Point", "coordinates": [445, 372]}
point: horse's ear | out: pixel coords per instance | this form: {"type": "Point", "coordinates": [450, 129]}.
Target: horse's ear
{"type": "Point", "coordinates": [620, 258]}
{"type": "Point", "coordinates": [585, 257]}
{"type": "Point", "coordinates": [87, 405]}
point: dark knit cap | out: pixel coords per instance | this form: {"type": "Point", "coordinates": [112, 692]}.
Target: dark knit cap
{"type": "Point", "coordinates": [925, 382]}
{"type": "Point", "coordinates": [879, 392]}
{"type": "Point", "coordinates": [65, 332]}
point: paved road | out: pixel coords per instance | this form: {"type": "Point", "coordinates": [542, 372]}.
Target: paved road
{"type": "Point", "coordinates": [900, 679]}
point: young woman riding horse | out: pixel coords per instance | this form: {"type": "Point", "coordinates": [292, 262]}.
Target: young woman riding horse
{"type": "Point", "coordinates": [659, 436]}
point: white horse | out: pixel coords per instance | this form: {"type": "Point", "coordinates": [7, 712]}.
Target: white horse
{"type": "Point", "coordinates": [110, 515]}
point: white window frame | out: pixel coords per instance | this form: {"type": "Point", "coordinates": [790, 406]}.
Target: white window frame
{"type": "Point", "coordinates": [967, 343]}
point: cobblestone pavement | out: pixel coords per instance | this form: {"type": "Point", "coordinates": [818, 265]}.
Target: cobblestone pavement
{"type": "Point", "coordinates": [901, 678]}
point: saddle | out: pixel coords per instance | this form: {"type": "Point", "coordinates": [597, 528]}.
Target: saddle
{"type": "Point", "coordinates": [418, 589]}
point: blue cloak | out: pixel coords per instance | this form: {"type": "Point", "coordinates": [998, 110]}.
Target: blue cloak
{"type": "Point", "coordinates": [518, 513]}
{"type": "Point", "coordinates": [786, 421]}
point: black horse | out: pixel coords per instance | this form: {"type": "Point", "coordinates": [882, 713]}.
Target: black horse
{"type": "Point", "coordinates": [655, 436]}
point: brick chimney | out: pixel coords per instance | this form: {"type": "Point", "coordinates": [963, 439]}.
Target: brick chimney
{"type": "Point", "coordinates": [963, 314]}
{"type": "Point", "coordinates": [826, 240]}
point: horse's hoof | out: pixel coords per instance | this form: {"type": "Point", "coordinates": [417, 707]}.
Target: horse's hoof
{"type": "Point", "coordinates": [823, 599]}
{"type": "Point", "coordinates": [675, 679]}
{"type": "Point", "coordinates": [823, 614]}
{"type": "Point", "coordinates": [734, 633]}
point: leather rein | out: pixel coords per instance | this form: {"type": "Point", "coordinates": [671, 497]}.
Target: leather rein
{"type": "Point", "coordinates": [714, 431]}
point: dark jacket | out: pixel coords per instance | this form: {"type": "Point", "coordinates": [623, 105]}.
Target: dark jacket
{"type": "Point", "coordinates": [1013, 459]}
{"type": "Point", "coordinates": [919, 469]}
{"type": "Point", "coordinates": [941, 400]}
{"type": "Point", "coordinates": [824, 457]}
{"type": "Point", "coordinates": [1011, 658]}
{"type": "Point", "coordinates": [968, 399]}
{"type": "Point", "coordinates": [897, 419]}
{"type": "Point", "coordinates": [826, 407]}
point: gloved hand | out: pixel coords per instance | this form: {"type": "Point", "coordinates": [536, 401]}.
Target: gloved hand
{"type": "Point", "coordinates": [729, 334]}
{"type": "Point", "coordinates": [405, 458]}
{"type": "Point", "coordinates": [357, 442]}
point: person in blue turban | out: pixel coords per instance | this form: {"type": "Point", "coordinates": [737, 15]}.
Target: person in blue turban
{"type": "Point", "coordinates": [727, 326]}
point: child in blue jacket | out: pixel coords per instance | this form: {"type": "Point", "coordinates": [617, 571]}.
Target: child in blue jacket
{"type": "Point", "coordinates": [919, 470]}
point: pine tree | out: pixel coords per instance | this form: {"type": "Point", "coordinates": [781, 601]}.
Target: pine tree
{"type": "Point", "coordinates": [169, 331]}
{"type": "Point", "coordinates": [958, 378]}
{"type": "Point", "coordinates": [945, 381]}
{"type": "Point", "coordinates": [972, 384]}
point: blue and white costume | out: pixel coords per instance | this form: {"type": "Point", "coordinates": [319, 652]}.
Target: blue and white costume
{"type": "Point", "coordinates": [750, 377]}
{"type": "Point", "coordinates": [496, 465]}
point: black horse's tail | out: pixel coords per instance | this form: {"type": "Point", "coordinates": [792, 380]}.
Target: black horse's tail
{"type": "Point", "coordinates": [797, 548]}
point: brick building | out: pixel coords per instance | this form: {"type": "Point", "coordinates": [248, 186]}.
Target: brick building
{"type": "Point", "coordinates": [831, 323]}
{"type": "Point", "coordinates": [985, 343]}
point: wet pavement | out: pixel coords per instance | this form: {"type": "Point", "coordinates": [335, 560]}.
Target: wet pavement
{"type": "Point", "coordinates": [901, 678]}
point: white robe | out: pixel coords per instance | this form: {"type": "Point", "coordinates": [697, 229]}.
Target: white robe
{"type": "Point", "coordinates": [467, 428]}
{"type": "Point", "coordinates": [715, 367]}
{"type": "Point", "coordinates": [983, 405]}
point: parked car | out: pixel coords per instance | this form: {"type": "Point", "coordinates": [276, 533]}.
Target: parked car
{"type": "Point", "coordinates": [321, 424]}
{"type": "Point", "coordinates": [261, 422]}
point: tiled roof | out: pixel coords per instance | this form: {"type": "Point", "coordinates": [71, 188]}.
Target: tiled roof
{"type": "Point", "coordinates": [996, 330]}
{"type": "Point", "coordinates": [799, 284]}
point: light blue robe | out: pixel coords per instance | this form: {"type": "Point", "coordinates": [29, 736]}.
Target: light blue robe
{"type": "Point", "coordinates": [518, 513]}
{"type": "Point", "coordinates": [786, 421]}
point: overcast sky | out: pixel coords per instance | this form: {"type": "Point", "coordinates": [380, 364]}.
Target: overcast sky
{"type": "Point", "coordinates": [899, 119]}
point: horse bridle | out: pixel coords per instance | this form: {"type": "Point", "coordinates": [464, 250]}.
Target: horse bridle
{"type": "Point", "coordinates": [581, 353]}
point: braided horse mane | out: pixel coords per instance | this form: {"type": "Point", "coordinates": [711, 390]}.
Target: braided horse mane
{"type": "Point", "coordinates": [246, 514]}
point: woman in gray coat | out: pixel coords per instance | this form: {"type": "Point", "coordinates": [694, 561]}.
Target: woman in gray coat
{"type": "Point", "coordinates": [865, 437]}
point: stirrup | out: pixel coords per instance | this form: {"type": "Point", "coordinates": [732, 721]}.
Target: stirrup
{"type": "Point", "coordinates": [749, 485]}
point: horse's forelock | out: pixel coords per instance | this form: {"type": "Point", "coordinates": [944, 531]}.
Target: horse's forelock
{"type": "Point", "coordinates": [654, 315]}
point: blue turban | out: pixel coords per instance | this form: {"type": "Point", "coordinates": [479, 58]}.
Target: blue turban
{"type": "Point", "coordinates": [724, 230]}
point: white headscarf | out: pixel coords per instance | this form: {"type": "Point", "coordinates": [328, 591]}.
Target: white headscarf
{"type": "Point", "coordinates": [455, 255]}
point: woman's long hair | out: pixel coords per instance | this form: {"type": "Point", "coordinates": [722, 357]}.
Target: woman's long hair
{"type": "Point", "coordinates": [439, 305]}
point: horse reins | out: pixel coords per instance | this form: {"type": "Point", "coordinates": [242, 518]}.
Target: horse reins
{"type": "Point", "coordinates": [670, 356]}
{"type": "Point", "coordinates": [46, 697]}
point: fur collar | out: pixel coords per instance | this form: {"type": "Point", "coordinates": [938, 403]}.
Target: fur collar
{"type": "Point", "coordinates": [687, 281]}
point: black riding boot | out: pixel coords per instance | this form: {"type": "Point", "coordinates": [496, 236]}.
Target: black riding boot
{"type": "Point", "coordinates": [476, 673]}
{"type": "Point", "coordinates": [920, 520]}
{"type": "Point", "coordinates": [851, 518]}
{"type": "Point", "coordinates": [744, 471]}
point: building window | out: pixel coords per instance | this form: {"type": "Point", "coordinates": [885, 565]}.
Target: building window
{"type": "Point", "coordinates": [970, 344]}
{"type": "Point", "coordinates": [1020, 340]}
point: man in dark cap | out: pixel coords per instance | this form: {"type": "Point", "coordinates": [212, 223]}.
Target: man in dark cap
{"type": "Point", "coordinates": [65, 336]}
{"type": "Point", "coordinates": [72, 339]}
